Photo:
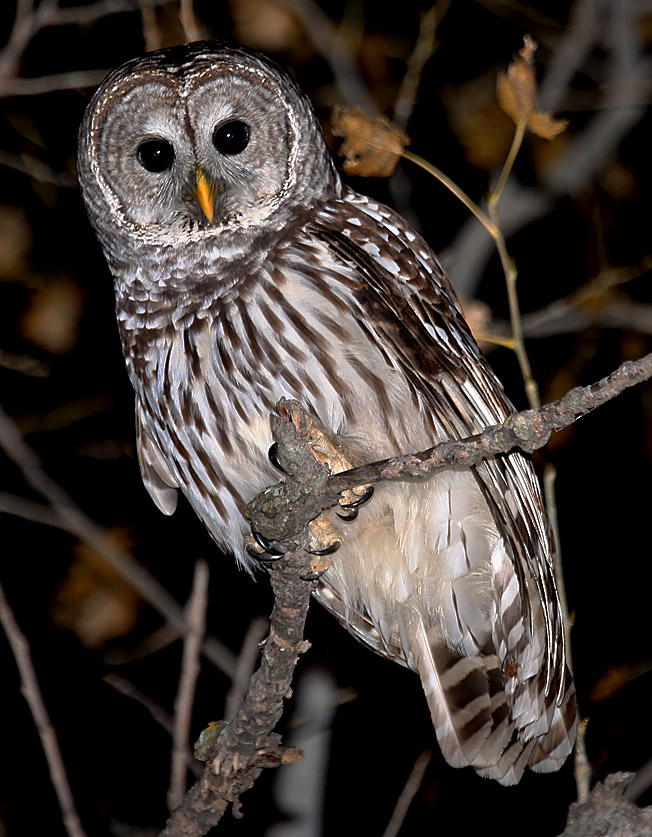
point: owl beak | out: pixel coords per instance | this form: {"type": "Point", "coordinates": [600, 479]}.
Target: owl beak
{"type": "Point", "coordinates": [204, 193]}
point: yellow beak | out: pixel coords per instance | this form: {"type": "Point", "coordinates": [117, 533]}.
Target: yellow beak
{"type": "Point", "coordinates": [204, 194]}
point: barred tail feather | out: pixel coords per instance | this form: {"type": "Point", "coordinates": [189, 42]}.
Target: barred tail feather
{"type": "Point", "coordinates": [457, 690]}
{"type": "Point", "coordinates": [553, 749]}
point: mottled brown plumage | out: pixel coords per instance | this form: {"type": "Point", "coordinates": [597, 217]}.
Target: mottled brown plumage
{"type": "Point", "coordinates": [245, 272]}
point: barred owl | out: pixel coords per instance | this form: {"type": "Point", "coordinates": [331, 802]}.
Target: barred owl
{"type": "Point", "coordinates": [246, 271]}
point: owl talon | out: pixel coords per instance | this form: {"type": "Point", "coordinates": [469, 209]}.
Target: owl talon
{"type": "Point", "coordinates": [272, 455]}
{"type": "Point", "coordinates": [261, 558]}
{"type": "Point", "coordinates": [327, 550]}
{"type": "Point", "coordinates": [350, 517]}
{"type": "Point", "coordinates": [359, 500]}
{"type": "Point", "coordinates": [318, 567]}
{"type": "Point", "coordinates": [266, 546]}
{"type": "Point", "coordinates": [261, 550]}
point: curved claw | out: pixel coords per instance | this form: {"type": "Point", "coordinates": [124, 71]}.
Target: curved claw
{"type": "Point", "coordinates": [327, 550]}
{"type": "Point", "coordinates": [361, 500]}
{"type": "Point", "coordinates": [263, 543]}
{"type": "Point", "coordinates": [314, 576]}
{"type": "Point", "coordinates": [272, 455]}
{"type": "Point", "coordinates": [347, 518]}
{"type": "Point", "coordinates": [265, 559]}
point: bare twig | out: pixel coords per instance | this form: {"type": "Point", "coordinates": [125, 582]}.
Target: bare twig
{"type": "Point", "coordinates": [188, 21]}
{"type": "Point", "coordinates": [38, 170]}
{"type": "Point", "coordinates": [424, 47]}
{"type": "Point", "coordinates": [72, 519]}
{"type": "Point", "coordinates": [47, 734]}
{"type": "Point", "coordinates": [190, 666]}
{"type": "Point", "coordinates": [74, 80]}
{"type": "Point", "coordinates": [408, 793]}
{"type": "Point", "coordinates": [582, 765]}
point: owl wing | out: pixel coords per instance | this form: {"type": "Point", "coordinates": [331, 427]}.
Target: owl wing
{"type": "Point", "coordinates": [521, 691]}
{"type": "Point", "coordinates": [156, 475]}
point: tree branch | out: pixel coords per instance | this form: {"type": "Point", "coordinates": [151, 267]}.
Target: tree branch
{"type": "Point", "coordinates": [237, 751]}
{"type": "Point", "coordinates": [284, 509]}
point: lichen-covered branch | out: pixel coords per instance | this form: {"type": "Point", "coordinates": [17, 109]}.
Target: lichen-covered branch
{"type": "Point", "coordinates": [237, 751]}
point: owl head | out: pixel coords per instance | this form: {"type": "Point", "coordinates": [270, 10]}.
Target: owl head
{"type": "Point", "coordinates": [195, 140]}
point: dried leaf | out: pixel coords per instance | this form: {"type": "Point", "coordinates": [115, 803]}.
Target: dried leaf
{"type": "Point", "coordinates": [372, 147]}
{"type": "Point", "coordinates": [517, 88]}
{"type": "Point", "coordinates": [545, 125]}
{"type": "Point", "coordinates": [517, 93]}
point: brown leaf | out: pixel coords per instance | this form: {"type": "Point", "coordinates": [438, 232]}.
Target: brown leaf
{"type": "Point", "coordinates": [372, 147]}
{"type": "Point", "coordinates": [517, 93]}
{"type": "Point", "coordinates": [517, 88]}
{"type": "Point", "coordinates": [545, 125]}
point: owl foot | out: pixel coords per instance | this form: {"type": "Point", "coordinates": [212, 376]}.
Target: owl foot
{"type": "Point", "coordinates": [329, 451]}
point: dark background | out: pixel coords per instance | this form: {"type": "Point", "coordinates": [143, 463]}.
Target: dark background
{"type": "Point", "coordinates": [62, 380]}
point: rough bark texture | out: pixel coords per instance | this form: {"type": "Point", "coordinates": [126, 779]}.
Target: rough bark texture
{"type": "Point", "coordinates": [607, 813]}
{"type": "Point", "coordinates": [237, 751]}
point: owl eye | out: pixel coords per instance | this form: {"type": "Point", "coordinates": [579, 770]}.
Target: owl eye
{"type": "Point", "coordinates": [155, 155]}
{"type": "Point", "coordinates": [232, 137]}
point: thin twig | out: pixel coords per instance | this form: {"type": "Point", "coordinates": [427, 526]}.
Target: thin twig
{"type": "Point", "coordinates": [582, 767]}
{"type": "Point", "coordinates": [459, 193]}
{"type": "Point", "coordinates": [32, 693]}
{"type": "Point", "coordinates": [511, 275]}
{"type": "Point", "coordinates": [424, 48]}
{"type": "Point", "coordinates": [190, 665]}
{"type": "Point", "coordinates": [188, 21]}
{"type": "Point", "coordinates": [408, 793]}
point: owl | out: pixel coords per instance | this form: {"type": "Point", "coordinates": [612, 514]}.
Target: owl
{"type": "Point", "coordinates": [245, 271]}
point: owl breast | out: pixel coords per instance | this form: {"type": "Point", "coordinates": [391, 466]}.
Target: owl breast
{"type": "Point", "coordinates": [294, 332]}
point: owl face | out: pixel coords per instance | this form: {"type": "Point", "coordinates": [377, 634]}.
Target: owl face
{"type": "Point", "coordinates": [216, 138]}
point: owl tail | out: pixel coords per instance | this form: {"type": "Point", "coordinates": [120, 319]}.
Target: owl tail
{"type": "Point", "coordinates": [471, 716]}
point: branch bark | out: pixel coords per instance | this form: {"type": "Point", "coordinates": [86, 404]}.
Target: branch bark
{"type": "Point", "coordinates": [237, 751]}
